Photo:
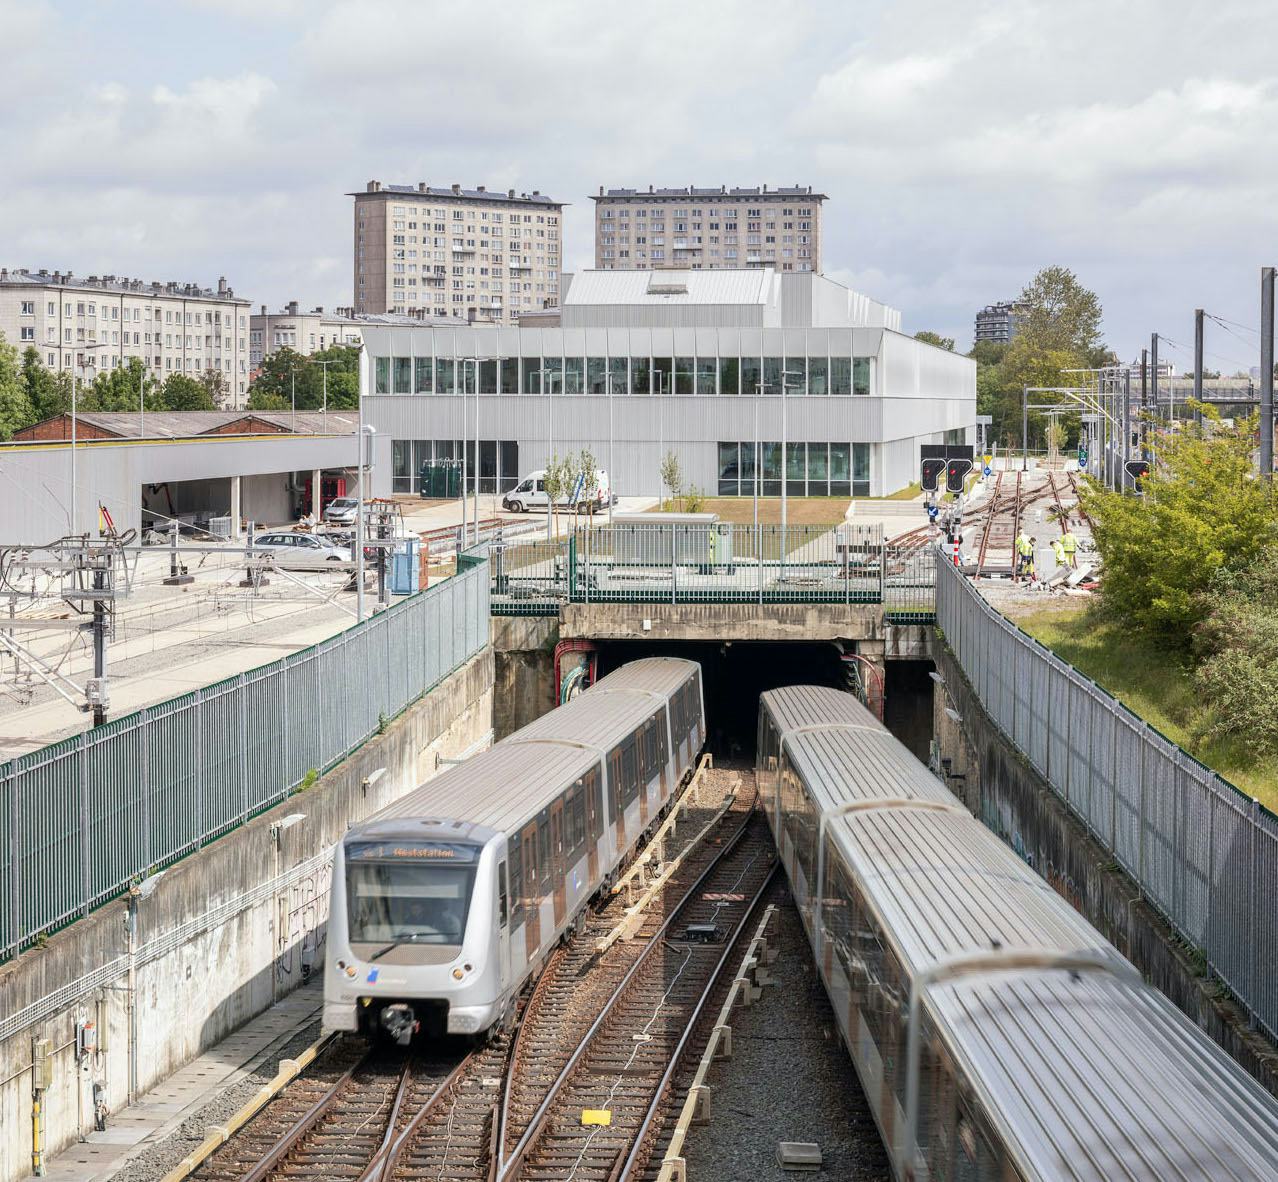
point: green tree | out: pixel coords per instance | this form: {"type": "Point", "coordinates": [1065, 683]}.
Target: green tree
{"type": "Point", "coordinates": [286, 374]}
{"type": "Point", "coordinates": [932, 338]}
{"type": "Point", "coordinates": [15, 406]}
{"type": "Point", "coordinates": [218, 388]}
{"type": "Point", "coordinates": [123, 388]}
{"type": "Point", "coordinates": [1059, 315]}
{"type": "Point", "coordinates": [48, 391]}
{"type": "Point", "coordinates": [183, 393]}
{"type": "Point", "coordinates": [1202, 512]}
{"type": "Point", "coordinates": [672, 477]}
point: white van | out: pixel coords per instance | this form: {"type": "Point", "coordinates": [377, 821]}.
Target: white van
{"type": "Point", "coordinates": [530, 493]}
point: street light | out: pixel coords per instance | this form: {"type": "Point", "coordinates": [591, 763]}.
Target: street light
{"type": "Point", "coordinates": [366, 431]}
{"type": "Point", "coordinates": [661, 430]}
{"type": "Point", "coordinates": [325, 364]}
{"type": "Point", "coordinates": [611, 473]}
{"type": "Point", "coordinates": [472, 361]}
{"type": "Point", "coordinates": [74, 478]}
{"type": "Point", "coordinates": [548, 379]}
{"type": "Point", "coordinates": [785, 459]}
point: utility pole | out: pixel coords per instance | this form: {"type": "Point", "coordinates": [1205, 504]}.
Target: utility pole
{"type": "Point", "coordinates": [1267, 373]}
{"type": "Point", "coordinates": [1024, 429]}
{"type": "Point", "coordinates": [1153, 374]}
{"type": "Point", "coordinates": [99, 696]}
{"type": "Point", "coordinates": [1125, 449]}
{"type": "Point", "coordinates": [1144, 398]}
{"type": "Point", "coordinates": [1198, 365]}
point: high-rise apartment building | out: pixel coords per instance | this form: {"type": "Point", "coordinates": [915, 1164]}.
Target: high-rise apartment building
{"type": "Point", "coordinates": [997, 322]}
{"type": "Point", "coordinates": [467, 254]}
{"type": "Point", "coordinates": [100, 322]}
{"type": "Point", "coordinates": [708, 229]}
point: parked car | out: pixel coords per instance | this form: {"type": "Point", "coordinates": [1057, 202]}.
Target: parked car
{"type": "Point", "coordinates": [530, 493]}
{"type": "Point", "coordinates": [305, 550]}
{"type": "Point", "coordinates": [341, 510]}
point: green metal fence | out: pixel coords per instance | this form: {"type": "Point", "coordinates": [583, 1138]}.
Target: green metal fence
{"type": "Point", "coordinates": [713, 563]}
{"type": "Point", "coordinates": [81, 818]}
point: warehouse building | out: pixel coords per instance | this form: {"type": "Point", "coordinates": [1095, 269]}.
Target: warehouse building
{"type": "Point", "coordinates": [701, 363]}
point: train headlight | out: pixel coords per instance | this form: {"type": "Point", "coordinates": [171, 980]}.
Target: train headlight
{"type": "Point", "coordinates": [458, 974]}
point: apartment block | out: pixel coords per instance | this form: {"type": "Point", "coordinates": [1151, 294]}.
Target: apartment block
{"type": "Point", "coordinates": [708, 229]}
{"type": "Point", "coordinates": [100, 322]}
{"type": "Point", "coordinates": [998, 322]}
{"type": "Point", "coordinates": [465, 254]}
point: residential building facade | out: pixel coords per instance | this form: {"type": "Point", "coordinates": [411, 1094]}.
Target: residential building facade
{"type": "Point", "coordinates": [303, 332]}
{"type": "Point", "coordinates": [708, 229]}
{"type": "Point", "coordinates": [466, 254]}
{"type": "Point", "coordinates": [99, 323]}
{"type": "Point", "coordinates": [721, 368]}
{"type": "Point", "coordinates": [998, 322]}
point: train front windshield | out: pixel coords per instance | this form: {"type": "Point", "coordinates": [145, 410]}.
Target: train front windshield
{"type": "Point", "coordinates": [408, 892]}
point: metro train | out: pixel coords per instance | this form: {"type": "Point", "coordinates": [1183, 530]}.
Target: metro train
{"type": "Point", "coordinates": [447, 901]}
{"type": "Point", "coordinates": [996, 1033]}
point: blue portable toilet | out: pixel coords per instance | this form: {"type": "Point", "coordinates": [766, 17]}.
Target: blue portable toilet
{"type": "Point", "coordinates": [405, 567]}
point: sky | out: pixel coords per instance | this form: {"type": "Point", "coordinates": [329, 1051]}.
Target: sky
{"type": "Point", "coordinates": [962, 146]}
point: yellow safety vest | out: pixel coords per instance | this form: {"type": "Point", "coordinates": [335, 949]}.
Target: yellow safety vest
{"type": "Point", "coordinates": [1023, 547]}
{"type": "Point", "coordinates": [1070, 543]}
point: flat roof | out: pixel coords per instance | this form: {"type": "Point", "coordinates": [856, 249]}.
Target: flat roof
{"type": "Point", "coordinates": [118, 285]}
{"type": "Point", "coordinates": [692, 191]}
{"type": "Point", "coordinates": [508, 197]}
{"type": "Point", "coordinates": [186, 424]}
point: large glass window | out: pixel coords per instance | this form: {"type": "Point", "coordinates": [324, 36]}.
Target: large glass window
{"type": "Point", "coordinates": [662, 375]}
{"type": "Point", "coordinates": [381, 379]}
{"type": "Point", "coordinates": [574, 375]}
{"type": "Point", "coordinates": [747, 468]}
{"type": "Point", "coordinates": [861, 375]}
{"type": "Point", "coordinates": [772, 367]}
{"type": "Point", "coordinates": [487, 465]}
{"type": "Point", "coordinates": [596, 369]}
{"type": "Point", "coordinates": [552, 369]}
{"type": "Point", "coordinates": [532, 375]}
{"type": "Point", "coordinates": [445, 379]}
{"type": "Point", "coordinates": [796, 375]}
{"type": "Point", "coordinates": [770, 468]}
{"type": "Point", "coordinates": [425, 378]}
{"type": "Point", "coordinates": [402, 465]}
{"type": "Point", "coordinates": [840, 470]}
{"type": "Point", "coordinates": [751, 375]}
{"type": "Point", "coordinates": [795, 468]}
{"type": "Point", "coordinates": [860, 469]}
{"type": "Point", "coordinates": [683, 375]}
{"type": "Point", "coordinates": [729, 470]}
{"type": "Point", "coordinates": [488, 377]}
{"type": "Point", "coordinates": [640, 375]}
{"type": "Point", "coordinates": [467, 375]}
{"type": "Point", "coordinates": [619, 375]}
{"type": "Point", "coordinates": [818, 376]}
{"type": "Point", "coordinates": [403, 370]}
{"type": "Point", "coordinates": [729, 375]}
{"type": "Point", "coordinates": [393, 899]}
{"type": "Point", "coordinates": [840, 376]}
{"type": "Point", "coordinates": [706, 372]}
{"type": "Point", "coordinates": [508, 457]}
{"type": "Point", "coordinates": [510, 375]}
{"type": "Point", "coordinates": [818, 469]}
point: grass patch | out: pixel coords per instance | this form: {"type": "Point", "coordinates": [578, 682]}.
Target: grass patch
{"type": "Point", "coordinates": [1151, 682]}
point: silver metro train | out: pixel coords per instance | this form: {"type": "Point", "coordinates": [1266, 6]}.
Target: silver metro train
{"type": "Point", "coordinates": [445, 903]}
{"type": "Point", "coordinates": [996, 1032]}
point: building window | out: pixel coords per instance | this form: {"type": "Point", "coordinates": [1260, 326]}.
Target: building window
{"type": "Point", "coordinates": [683, 376]}
{"type": "Point", "coordinates": [861, 375]}
{"type": "Point", "coordinates": [811, 469]}
{"type": "Point", "coordinates": [381, 380]}
{"type": "Point", "coordinates": [640, 375]}
{"type": "Point", "coordinates": [706, 375]}
{"type": "Point", "coordinates": [424, 377]}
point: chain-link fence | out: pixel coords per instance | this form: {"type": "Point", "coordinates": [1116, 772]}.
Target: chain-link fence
{"type": "Point", "coordinates": [1202, 852]}
{"type": "Point", "coordinates": [81, 818]}
{"type": "Point", "coordinates": [712, 563]}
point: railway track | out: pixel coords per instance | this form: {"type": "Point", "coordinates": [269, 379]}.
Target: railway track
{"type": "Point", "coordinates": [617, 1074]}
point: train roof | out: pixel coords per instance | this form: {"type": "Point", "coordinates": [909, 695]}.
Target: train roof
{"type": "Point", "coordinates": [1140, 1092]}
{"type": "Point", "coordinates": [662, 675]}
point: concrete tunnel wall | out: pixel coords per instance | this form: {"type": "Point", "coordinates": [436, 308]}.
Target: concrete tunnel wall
{"type": "Point", "coordinates": [225, 933]}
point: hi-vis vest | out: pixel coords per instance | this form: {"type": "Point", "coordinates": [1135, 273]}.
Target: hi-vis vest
{"type": "Point", "coordinates": [1070, 543]}
{"type": "Point", "coordinates": [1023, 546]}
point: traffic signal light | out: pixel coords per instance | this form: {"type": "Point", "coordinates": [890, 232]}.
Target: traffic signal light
{"type": "Point", "coordinates": [932, 470]}
{"type": "Point", "coordinates": [955, 473]}
{"type": "Point", "coordinates": [1137, 469]}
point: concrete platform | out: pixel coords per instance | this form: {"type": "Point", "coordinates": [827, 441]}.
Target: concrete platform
{"type": "Point", "coordinates": [159, 1112]}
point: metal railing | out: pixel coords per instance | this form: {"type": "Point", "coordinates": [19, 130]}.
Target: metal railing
{"type": "Point", "coordinates": [718, 563]}
{"type": "Point", "coordinates": [82, 818]}
{"type": "Point", "coordinates": [1204, 854]}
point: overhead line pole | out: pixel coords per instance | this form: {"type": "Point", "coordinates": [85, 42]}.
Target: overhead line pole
{"type": "Point", "coordinates": [1126, 441]}
{"type": "Point", "coordinates": [1153, 374]}
{"type": "Point", "coordinates": [1267, 373]}
{"type": "Point", "coordinates": [1198, 365]}
{"type": "Point", "coordinates": [1144, 398]}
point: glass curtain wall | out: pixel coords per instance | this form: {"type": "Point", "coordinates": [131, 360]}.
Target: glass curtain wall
{"type": "Point", "coordinates": [811, 469]}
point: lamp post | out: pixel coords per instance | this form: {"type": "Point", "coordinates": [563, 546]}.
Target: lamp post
{"type": "Point", "coordinates": [474, 363]}
{"type": "Point", "coordinates": [661, 429]}
{"type": "Point", "coordinates": [548, 378]}
{"type": "Point", "coordinates": [611, 472]}
{"type": "Point", "coordinates": [366, 431]}
{"type": "Point", "coordinates": [324, 410]}
{"type": "Point", "coordinates": [75, 487]}
{"type": "Point", "coordinates": [786, 374]}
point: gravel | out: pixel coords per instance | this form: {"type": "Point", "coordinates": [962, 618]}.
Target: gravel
{"type": "Point", "coordinates": [158, 1159]}
{"type": "Point", "coordinates": [789, 1079]}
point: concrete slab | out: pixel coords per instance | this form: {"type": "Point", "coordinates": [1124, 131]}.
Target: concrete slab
{"type": "Point", "coordinates": [158, 1113]}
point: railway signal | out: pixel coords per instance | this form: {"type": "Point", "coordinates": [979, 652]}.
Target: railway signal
{"type": "Point", "coordinates": [1137, 469]}
{"type": "Point", "coordinates": [932, 469]}
{"type": "Point", "coordinates": [955, 473]}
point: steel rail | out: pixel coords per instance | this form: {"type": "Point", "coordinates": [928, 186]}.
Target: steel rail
{"type": "Point", "coordinates": [508, 1168]}
{"type": "Point", "coordinates": [626, 1168]}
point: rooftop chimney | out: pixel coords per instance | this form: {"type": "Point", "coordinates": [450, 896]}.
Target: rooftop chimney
{"type": "Point", "coordinates": [456, 188]}
{"type": "Point", "coordinates": [649, 188]}
{"type": "Point", "coordinates": [536, 192]}
{"type": "Point", "coordinates": [222, 289]}
{"type": "Point", "coordinates": [480, 189]}
{"type": "Point", "coordinates": [510, 193]}
{"type": "Point", "coordinates": [291, 307]}
{"type": "Point", "coordinates": [601, 190]}
{"type": "Point", "coordinates": [374, 186]}
{"type": "Point", "coordinates": [263, 312]}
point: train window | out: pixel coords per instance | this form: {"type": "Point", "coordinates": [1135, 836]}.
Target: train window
{"type": "Point", "coordinates": [543, 851]}
{"type": "Point", "coordinates": [516, 881]}
{"type": "Point", "coordinates": [629, 770]}
{"type": "Point", "coordinates": [577, 823]}
{"type": "Point", "coordinates": [614, 782]}
{"type": "Point", "coordinates": [593, 803]}
{"type": "Point", "coordinates": [663, 741]}
{"type": "Point", "coordinates": [502, 900]}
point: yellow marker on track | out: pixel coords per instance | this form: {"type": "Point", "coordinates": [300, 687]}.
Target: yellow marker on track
{"type": "Point", "coordinates": [596, 1116]}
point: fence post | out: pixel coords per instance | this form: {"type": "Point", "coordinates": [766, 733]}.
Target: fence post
{"type": "Point", "coordinates": [758, 553]}
{"type": "Point", "coordinates": [1113, 781]}
{"type": "Point", "coordinates": [149, 859]}
{"type": "Point", "coordinates": [15, 860]}
{"type": "Point", "coordinates": [1140, 817]}
{"type": "Point", "coordinates": [242, 717]}
{"type": "Point", "coordinates": [86, 873]}
{"type": "Point", "coordinates": [199, 767]}
{"type": "Point", "coordinates": [1211, 872]}
{"type": "Point", "coordinates": [1253, 912]}
{"type": "Point", "coordinates": [674, 562]}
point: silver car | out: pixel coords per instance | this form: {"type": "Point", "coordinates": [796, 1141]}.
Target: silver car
{"type": "Point", "coordinates": [301, 550]}
{"type": "Point", "coordinates": [341, 510]}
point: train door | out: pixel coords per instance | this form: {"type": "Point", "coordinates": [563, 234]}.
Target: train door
{"type": "Point", "coordinates": [615, 796]}
{"type": "Point", "coordinates": [503, 921]}
{"type": "Point", "coordinates": [594, 823]}
{"type": "Point", "coordinates": [559, 869]}
{"type": "Point", "coordinates": [531, 892]}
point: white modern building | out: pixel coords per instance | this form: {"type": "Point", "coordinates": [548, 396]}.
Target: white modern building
{"type": "Point", "coordinates": [702, 363]}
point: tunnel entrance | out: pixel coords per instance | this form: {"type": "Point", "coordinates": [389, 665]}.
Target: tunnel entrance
{"type": "Point", "coordinates": [734, 674]}
{"type": "Point", "coordinates": [907, 705]}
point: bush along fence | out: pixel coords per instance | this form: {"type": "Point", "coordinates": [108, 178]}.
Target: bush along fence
{"type": "Point", "coordinates": [1204, 854]}
{"type": "Point", "coordinates": [82, 818]}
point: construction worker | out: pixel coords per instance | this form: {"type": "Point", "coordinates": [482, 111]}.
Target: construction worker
{"type": "Point", "coordinates": [1058, 551]}
{"type": "Point", "coordinates": [1069, 544]}
{"type": "Point", "coordinates": [1024, 553]}
{"type": "Point", "coordinates": [1033, 546]}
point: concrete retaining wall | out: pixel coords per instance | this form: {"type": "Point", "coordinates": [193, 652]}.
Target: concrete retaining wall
{"type": "Point", "coordinates": [524, 655]}
{"type": "Point", "coordinates": [1017, 803]}
{"type": "Point", "coordinates": [223, 934]}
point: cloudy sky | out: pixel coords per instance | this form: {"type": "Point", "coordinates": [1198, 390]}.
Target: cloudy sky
{"type": "Point", "coordinates": [962, 146]}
